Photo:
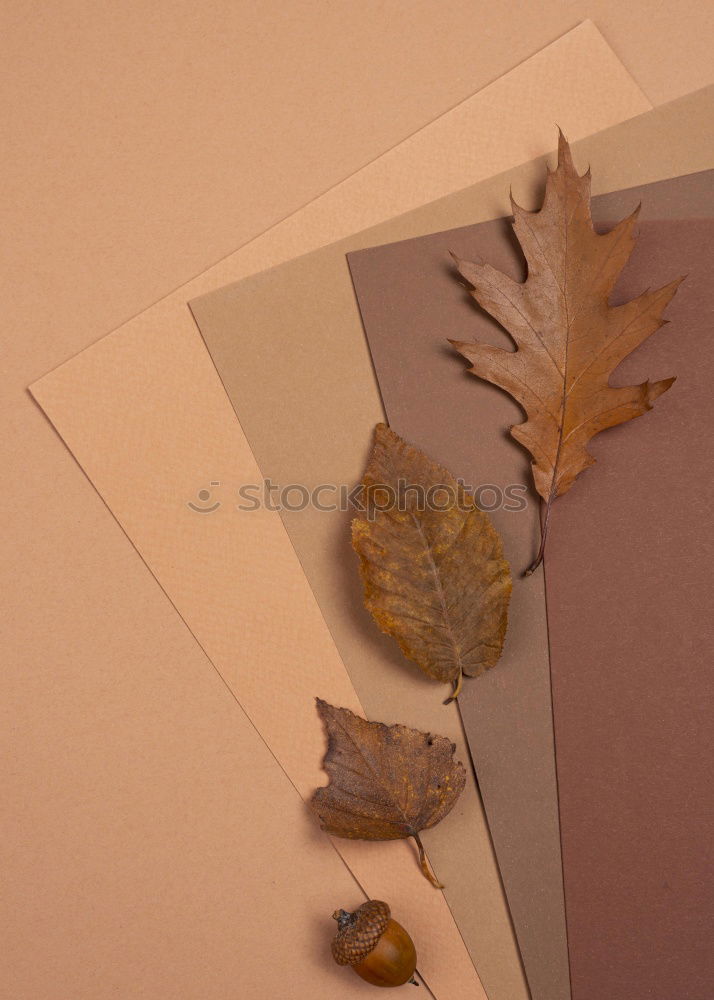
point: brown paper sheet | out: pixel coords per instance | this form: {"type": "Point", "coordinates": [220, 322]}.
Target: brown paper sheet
{"type": "Point", "coordinates": [410, 300]}
{"type": "Point", "coordinates": [630, 612]}
{"type": "Point", "coordinates": [306, 428]}
{"type": "Point", "coordinates": [578, 58]}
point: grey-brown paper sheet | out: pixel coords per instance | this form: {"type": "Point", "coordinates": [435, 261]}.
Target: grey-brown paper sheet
{"type": "Point", "coordinates": [615, 890]}
{"type": "Point", "coordinates": [289, 346]}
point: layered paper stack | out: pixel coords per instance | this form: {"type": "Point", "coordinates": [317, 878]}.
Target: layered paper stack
{"type": "Point", "coordinates": [166, 740]}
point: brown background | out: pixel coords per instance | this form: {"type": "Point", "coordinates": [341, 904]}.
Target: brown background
{"type": "Point", "coordinates": [130, 141]}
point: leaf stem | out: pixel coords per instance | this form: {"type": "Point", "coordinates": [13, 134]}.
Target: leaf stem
{"type": "Point", "coordinates": [424, 864]}
{"type": "Point", "coordinates": [543, 536]}
{"type": "Point", "coordinates": [457, 688]}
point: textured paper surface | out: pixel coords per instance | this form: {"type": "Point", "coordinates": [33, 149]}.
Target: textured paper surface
{"type": "Point", "coordinates": [410, 298]}
{"type": "Point", "coordinates": [103, 197]}
{"type": "Point", "coordinates": [305, 313]}
{"type": "Point", "coordinates": [573, 59]}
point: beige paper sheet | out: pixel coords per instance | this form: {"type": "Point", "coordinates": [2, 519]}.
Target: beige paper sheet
{"type": "Point", "coordinates": [270, 336]}
{"type": "Point", "coordinates": [581, 60]}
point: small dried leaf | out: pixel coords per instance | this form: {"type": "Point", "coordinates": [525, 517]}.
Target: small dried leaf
{"type": "Point", "coordinates": [569, 339]}
{"type": "Point", "coordinates": [431, 562]}
{"type": "Point", "coordinates": [386, 782]}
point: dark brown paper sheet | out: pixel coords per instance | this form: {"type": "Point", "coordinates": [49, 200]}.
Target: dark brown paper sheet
{"type": "Point", "coordinates": [630, 615]}
{"type": "Point", "coordinates": [624, 940]}
{"type": "Point", "coordinates": [289, 347]}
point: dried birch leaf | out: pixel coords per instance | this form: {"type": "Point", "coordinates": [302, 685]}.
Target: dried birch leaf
{"type": "Point", "coordinates": [569, 340]}
{"type": "Point", "coordinates": [432, 563]}
{"type": "Point", "coordinates": [386, 782]}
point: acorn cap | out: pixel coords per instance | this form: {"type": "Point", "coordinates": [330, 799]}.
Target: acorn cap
{"type": "Point", "coordinates": [359, 932]}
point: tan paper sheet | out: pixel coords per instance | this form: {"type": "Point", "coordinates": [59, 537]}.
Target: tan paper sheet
{"type": "Point", "coordinates": [251, 608]}
{"type": "Point", "coordinates": [408, 297]}
{"type": "Point", "coordinates": [304, 428]}
{"type": "Point", "coordinates": [475, 892]}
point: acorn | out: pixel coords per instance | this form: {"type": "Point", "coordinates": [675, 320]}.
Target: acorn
{"type": "Point", "coordinates": [377, 947]}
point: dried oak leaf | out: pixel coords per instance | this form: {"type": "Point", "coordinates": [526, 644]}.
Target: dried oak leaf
{"type": "Point", "coordinates": [568, 338]}
{"type": "Point", "coordinates": [431, 562]}
{"type": "Point", "coordinates": [386, 782]}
